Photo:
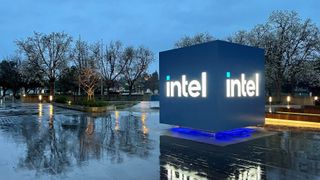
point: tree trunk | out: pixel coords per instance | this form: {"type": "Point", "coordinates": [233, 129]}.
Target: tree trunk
{"type": "Point", "coordinates": [130, 89]}
{"type": "Point", "coordinates": [101, 88]}
{"type": "Point", "coordinates": [79, 87]}
{"type": "Point", "coordinates": [278, 91]}
{"type": "Point", "coordinates": [51, 81]}
{"type": "Point", "coordinates": [4, 90]}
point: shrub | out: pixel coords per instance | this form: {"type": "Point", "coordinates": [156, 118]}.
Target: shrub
{"type": "Point", "coordinates": [61, 99]}
{"type": "Point", "coordinates": [92, 103]}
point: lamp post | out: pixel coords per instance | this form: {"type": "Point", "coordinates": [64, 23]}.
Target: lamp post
{"type": "Point", "coordinates": [270, 103]}
{"type": "Point", "coordinates": [288, 100]}
{"type": "Point", "coordinates": [315, 99]}
{"type": "Point", "coordinates": [40, 98]}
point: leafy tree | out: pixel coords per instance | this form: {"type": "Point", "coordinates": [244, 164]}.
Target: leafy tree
{"type": "Point", "coordinates": [149, 81]}
{"type": "Point", "coordinates": [10, 77]}
{"type": "Point", "coordinates": [68, 80]}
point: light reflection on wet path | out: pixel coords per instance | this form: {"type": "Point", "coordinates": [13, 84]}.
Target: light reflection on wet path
{"type": "Point", "coordinates": [42, 141]}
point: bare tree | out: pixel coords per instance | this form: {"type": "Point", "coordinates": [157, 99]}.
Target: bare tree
{"type": "Point", "coordinates": [48, 52]}
{"type": "Point", "coordinates": [193, 40]}
{"type": "Point", "coordinates": [89, 79]}
{"type": "Point", "coordinates": [138, 61]}
{"type": "Point", "coordinates": [288, 42]}
{"type": "Point", "coordinates": [111, 61]}
{"type": "Point", "coordinates": [80, 54]}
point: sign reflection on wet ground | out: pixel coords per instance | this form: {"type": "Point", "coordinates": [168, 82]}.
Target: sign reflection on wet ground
{"type": "Point", "coordinates": [45, 142]}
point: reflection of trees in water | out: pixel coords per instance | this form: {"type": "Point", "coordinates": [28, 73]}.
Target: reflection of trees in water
{"type": "Point", "coordinates": [53, 148]}
{"type": "Point", "coordinates": [45, 149]}
{"type": "Point", "coordinates": [296, 151]}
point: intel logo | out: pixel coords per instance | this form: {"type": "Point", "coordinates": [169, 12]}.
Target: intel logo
{"type": "Point", "coordinates": [242, 87]}
{"type": "Point", "coordinates": [186, 88]}
{"type": "Point", "coordinates": [235, 87]}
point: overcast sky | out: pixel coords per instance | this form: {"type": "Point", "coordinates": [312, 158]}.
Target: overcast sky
{"type": "Point", "coordinates": [156, 24]}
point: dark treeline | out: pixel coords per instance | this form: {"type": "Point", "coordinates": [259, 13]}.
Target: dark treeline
{"type": "Point", "coordinates": [57, 62]}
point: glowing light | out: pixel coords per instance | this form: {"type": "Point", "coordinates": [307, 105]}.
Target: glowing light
{"type": "Point", "coordinates": [40, 109]}
{"type": "Point", "coordinates": [116, 115]}
{"type": "Point", "coordinates": [192, 132]}
{"type": "Point", "coordinates": [144, 127]}
{"type": "Point", "coordinates": [291, 123]}
{"type": "Point", "coordinates": [247, 173]}
{"type": "Point", "coordinates": [316, 98]}
{"type": "Point", "coordinates": [50, 110]}
{"type": "Point", "coordinates": [288, 99]}
{"type": "Point", "coordinates": [24, 95]}
{"type": "Point", "coordinates": [69, 102]}
{"type": "Point", "coordinates": [50, 98]}
{"type": "Point", "coordinates": [244, 87]}
{"type": "Point", "coordinates": [297, 113]}
{"type": "Point", "coordinates": [40, 97]}
{"type": "Point", "coordinates": [173, 173]}
{"type": "Point", "coordinates": [223, 135]}
{"type": "Point", "coordinates": [234, 133]}
{"type": "Point", "coordinates": [194, 88]}
{"type": "Point", "coordinates": [270, 99]}
{"type": "Point", "coordinates": [145, 130]}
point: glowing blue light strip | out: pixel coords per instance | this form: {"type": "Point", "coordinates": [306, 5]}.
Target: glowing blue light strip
{"type": "Point", "coordinates": [234, 133]}
{"type": "Point", "coordinates": [223, 135]}
{"type": "Point", "coordinates": [192, 132]}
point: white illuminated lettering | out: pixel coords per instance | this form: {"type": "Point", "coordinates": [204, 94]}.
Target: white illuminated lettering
{"type": "Point", "coordinates": [234, 87]}
{"type": "Point", "coordinates": [168, 88]}
{"type": "Point", "coordinates": [186, 89]}
{"type": "Point", "coordinates": [243, 83]}
{"type": "Point", "coordinates": [235, 83]}
{"type": "Point", "coordinates": [194, 88]}
{"type": "Point", "coordinates": [250, 88]}
{"type": "Point", "coordinates": [175, 84]}
{"type": "Point", "coordinates": [184, 86]}
{"type": "Point", "coordinates": [242, 86]}
{"type": "Point", "coordinates": [257, 84]}
{"type": "Point", "coordinates": [204, 84]}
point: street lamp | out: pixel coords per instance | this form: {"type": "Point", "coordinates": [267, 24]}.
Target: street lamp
{"type": "Point", "coordinates": [50, 98]}
{"type": "Point", "coordinates": [270, 102]}
{"type": "Point", "coordinates": [288, 100]}
{"type": "Point", "coordinates": [40, 97]}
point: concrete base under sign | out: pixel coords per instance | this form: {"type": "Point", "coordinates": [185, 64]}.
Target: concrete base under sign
{"type": "Point", "coordinates": [258, 132]}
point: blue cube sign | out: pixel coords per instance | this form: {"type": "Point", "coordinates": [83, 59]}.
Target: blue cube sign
{"type": "Point", "coordinates": [213, 86]}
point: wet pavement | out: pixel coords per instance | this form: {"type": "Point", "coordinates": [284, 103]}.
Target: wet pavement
{"type": "Point", "coordinates": [40, 141]}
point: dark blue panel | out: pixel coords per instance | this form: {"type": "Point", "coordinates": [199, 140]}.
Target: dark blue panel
{"type": "Point", "coordinates": [216, 112]}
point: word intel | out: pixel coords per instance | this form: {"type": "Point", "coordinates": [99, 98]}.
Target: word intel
{"type": "Point", "coordinates": [185, 88]}
{"type": "Point", "coordinates": [195, 88]}
{"type": "Point", "coordinates": [243, 87]}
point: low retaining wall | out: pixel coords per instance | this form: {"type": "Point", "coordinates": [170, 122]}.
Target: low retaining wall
{"type": "Point", "coordinates": [293, 117]}
{"type": "Point", "coordinates": [87, 109]}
